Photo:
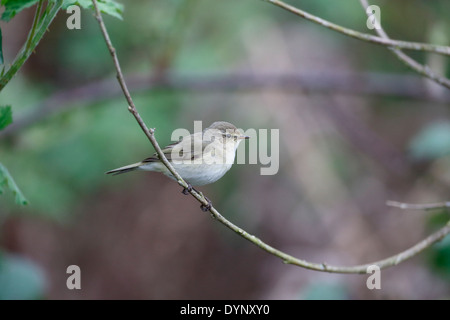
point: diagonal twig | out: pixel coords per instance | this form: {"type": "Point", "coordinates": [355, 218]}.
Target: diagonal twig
{"type": "Point", "coordinates": [423, 70]}
{"type": "Point", "coordinates": [418, 46]}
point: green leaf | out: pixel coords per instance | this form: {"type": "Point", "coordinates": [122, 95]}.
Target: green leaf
{"type": "Point", "coordinates": [6, 180]}
{"type": "Point", "coordinates": [440, 256]}
{"type": "Point", "coordinates": [5, 116]}
{"type": "Point", "coordinates": [110, 7]}
{"type": "Point", "coordinates": [12, 7]}
{"type": "Point", "coordinates": [1, 48]}
{"type": "Point", "coordinates": [431, 142]}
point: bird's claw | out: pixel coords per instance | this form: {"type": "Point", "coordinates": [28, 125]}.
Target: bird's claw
{"type": "Point", "coordinates": [187, 190]}
{"type": "Point", "coordinates": [206, 207]}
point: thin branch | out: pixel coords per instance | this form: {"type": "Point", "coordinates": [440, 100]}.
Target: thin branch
{"type": "Point", "coordinates": [391, 261]}
{"type": "Point", "coordinates": [420, 206]}
{"type": "Point", "coordinates": [132, 108]}
{"type": "Point", "coordinates": [418, 46]}
{"type": "Point", "coordinates": [423, 70]}
{"type": "Point", "coordinates": [385, 263]}
{"type": "Point", "coordinates": [38, 32]}
{"type": "Point", "coordinates": [35, 22]}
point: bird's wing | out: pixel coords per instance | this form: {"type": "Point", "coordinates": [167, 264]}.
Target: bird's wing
{"type": "Point", "coordinates": [167, 151]}
{"type": "Point", "coordinates": [181, 150]}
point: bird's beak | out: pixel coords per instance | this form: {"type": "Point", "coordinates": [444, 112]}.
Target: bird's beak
{"type": "Point", "coordinates": [244, 137]}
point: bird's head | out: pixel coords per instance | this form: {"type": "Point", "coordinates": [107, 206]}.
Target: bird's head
{"type": "Point", "coordinates": [226, 132]}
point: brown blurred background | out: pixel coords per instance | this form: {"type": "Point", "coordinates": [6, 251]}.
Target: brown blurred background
{"type": "Point", "coordinates": [357, 128]}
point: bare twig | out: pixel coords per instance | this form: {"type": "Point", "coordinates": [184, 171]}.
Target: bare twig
{"type": "Point", "coordinates": [132, 108]}
{"type": "Point", "coordinates": [423, 70]}
{"type": "Point", "coordinates": [418, 46]}
{"type": "Point", "coordinates": [391, 261]}
{"type": "Point", "coordinates": [420, 206]}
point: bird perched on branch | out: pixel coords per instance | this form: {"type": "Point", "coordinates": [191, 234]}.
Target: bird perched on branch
{"type": "Point", "coordinates": [200, 158]}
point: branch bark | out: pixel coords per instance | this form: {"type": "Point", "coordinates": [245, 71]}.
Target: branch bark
{"type": "Point", "coordinates": [419, 206]}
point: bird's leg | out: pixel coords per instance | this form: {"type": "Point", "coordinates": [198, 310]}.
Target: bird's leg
{"type": "Point", "coordinates": [188, 189]}
{"type": "Point", "coordinates": [204, 207]}
{"type": "Point", "coordinates": [207, 207]}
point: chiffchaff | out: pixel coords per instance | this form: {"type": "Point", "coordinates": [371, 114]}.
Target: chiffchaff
{"type": "Point", "coordinates": [200, 158]}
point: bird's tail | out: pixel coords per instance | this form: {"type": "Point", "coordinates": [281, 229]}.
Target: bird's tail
{"type": "Point", "coordinates": [124, 169]}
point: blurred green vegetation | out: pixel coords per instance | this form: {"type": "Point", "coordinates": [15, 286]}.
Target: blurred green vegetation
{"type": "Point", "coordinates": [324, 291]}
{"type": "Point", "coordinates": [20, 278]}
{"type": "Point", "coordinates": [67, 158]}
{"type": "Point", "coordinates": [432, 142]}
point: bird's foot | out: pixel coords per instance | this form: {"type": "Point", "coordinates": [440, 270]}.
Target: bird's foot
{"type": "Point", "coordinates": [187, 190]}
{"type": "Point", "coordinates": [206, 207]}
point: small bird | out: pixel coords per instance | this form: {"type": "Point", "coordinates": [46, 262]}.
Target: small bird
{"type": "Point", "coordinates": [200, 158]}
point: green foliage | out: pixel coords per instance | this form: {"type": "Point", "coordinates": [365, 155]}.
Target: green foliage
{"type": "Point", "coordinates": [439, 254]}
{"type": "Point", "coordinates": [20, 279]}
{"type": "Point", "coordinates": [110, 7]}
{"type": "Point", "coordinates": [440, 257]}
{"type": "Point", "coordinates": [431, 142]}
{"type": "Point", "coordinates": [5, 116]}
{"type": "Point", "coordinates": [1, 48]}
{"type": "Point", "coordinates": [79, 62]}
{"type": "Point", "coordinates": [6, 180]}
{"type": "Point", "coordinates": [37, 30]}
{"type": "Point", "coordinates": [12, 7]}
{"type": "Point", "coordinates": [64, 160]}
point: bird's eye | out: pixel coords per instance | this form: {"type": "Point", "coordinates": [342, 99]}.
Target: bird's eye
{"type": "Point", "coordinates": [228, 135]}
{"type": "Point", "coordinates": [235, 138]}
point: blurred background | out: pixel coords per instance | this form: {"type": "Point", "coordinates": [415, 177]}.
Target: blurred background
{"type": "Point", "coordinates": [357, 128]}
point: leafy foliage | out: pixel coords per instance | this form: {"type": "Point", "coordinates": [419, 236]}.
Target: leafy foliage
{"type": "Point", "coordinates": [5, 116]}
{"type": "Point", "coordinates": [440, 257]}
{"type": "Point", "coordinates": [12, 7]}
{"type": "Point", "coordinates": [1, 50]}
{"type": "Point", "coordinates": [110, 7]}
{"type": "Point", "coordinates": [5, 178]}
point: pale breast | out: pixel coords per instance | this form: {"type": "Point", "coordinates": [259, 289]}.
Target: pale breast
{"type": "Point", "coordinates": [201, 174]}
